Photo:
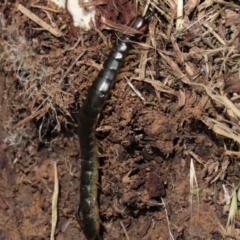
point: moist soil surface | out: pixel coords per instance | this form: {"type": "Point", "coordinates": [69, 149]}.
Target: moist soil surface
{"type": "Point", "coordinates": [168, 139]}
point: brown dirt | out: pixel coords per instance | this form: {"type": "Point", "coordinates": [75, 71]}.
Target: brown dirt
{"type": "Point", "coordinates": [146, 146]}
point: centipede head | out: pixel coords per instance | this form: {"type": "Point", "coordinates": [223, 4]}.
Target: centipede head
{"type": "Point", "coordinates": [149, 14]}
{"type": "Point", "coordinates": [141, 22]}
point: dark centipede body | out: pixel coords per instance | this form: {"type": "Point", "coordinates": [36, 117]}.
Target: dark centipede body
{"type": "Point", "coordinates": [88, 212]}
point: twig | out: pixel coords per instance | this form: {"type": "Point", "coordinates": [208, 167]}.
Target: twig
{"type": "Point", "coordinates": [39, 21]}
{"type": "Point", "coordinates": [45, 8]}
{"type": "Point", "coordinates": [33, 115]}
{"type": "Point", "coordinates": [72, 65]}
{"type": "Point", "coordinates": [191, 25]}
{"type": "Point", "coordinates": [229, 4]}
{"type": "Point", "coordinates": [75, 45]}
{"type": "Point", "coordinates": [92, 3]}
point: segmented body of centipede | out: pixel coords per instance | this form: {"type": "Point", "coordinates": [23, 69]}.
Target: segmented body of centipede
{"type": "Point", "coordinates": [88, 212]}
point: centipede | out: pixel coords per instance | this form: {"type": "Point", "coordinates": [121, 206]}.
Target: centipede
{"type": "Point", "coordinates": [88, 210]}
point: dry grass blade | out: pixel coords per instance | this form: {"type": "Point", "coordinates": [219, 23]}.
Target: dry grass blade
{"type": "Point", "coordinates": [230, 227]}
{"type": "Point", "coordinates": [169, 230]}
{"type": "Point", "coordinates": [234, 153]}
{"type": "Point", "coordinates": [219, 98]}
{"type": "Point", "coordinates": [179, 21]}
{"type": "Point", "coordinates": [54, 202]}
{"type": "Point", "coordinates": [227, 196]}
{"type": "Point", "coordinates": [135, 90]}
{"type": "Point", "coordinates": [120, 27]}
{"type": "Point", "coordinates": [124, 229]}
{"type": "Point", "coordinates": [174, 67]}
{"type": "Point", "coordinates": [190, 6]}
{"type": "Point", "coordinates": [210, 29]}
{"type": "Point", "coordinates": [159, 86]}
{"type": "Point", "coordinates": [196, 157]}
{"type": "Point", "coordinates": [221, 129]}
{"type": "Point", "coordinates": [194, 190]}
{"type": "Point", "coordinates": [228, 4]}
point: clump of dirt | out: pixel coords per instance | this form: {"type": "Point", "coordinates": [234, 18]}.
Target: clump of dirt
{"type": "Point", "coordinates": [168, 134]}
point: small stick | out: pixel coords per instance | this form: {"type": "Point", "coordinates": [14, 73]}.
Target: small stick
{"type": "Point", "coordinates": [33, 115]}
{"type": "Point", "coordinates": [210, 29]}
{"type": "Point", "coordinates": [72, 65]}
{"type": "Point", "coordinates": [39, 21]}
{"type": "Point", "coordinates": [44, 8]}
{"type": "Point", "coordinates": [91, 3]}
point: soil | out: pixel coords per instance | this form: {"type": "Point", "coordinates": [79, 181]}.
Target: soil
{"type": "Point", "coordinates": [152, 144]}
